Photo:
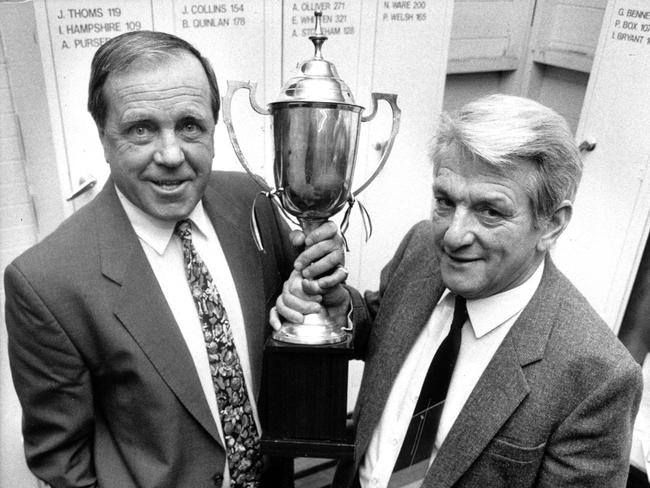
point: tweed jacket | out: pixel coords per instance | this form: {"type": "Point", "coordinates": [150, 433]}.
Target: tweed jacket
{"type": "Point", "coordinates": [109, 391]}
{"type": "Point", "coordinates": [554, 407]}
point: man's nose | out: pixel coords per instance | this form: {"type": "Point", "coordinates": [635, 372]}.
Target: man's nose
{"type": "Point", "coordinates": [169, 151]}
{"type": "Point", "coordinates": [461, 229]}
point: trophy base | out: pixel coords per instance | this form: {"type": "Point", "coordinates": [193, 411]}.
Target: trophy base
{"type": "Point", "coordinates": [317, 329]}
{"type": "Point", "coordinates": [303, 400]}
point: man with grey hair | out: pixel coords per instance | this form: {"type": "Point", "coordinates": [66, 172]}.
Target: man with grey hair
{"type": "Point", "coordinates": [136, 328]}
{"type": "Point", "coordinates": [485, 367]}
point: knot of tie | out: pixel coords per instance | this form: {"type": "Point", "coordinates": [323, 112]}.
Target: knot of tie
{"type": "Point", "coordinates": [183, 229]}
{"type": "Point", "coordinates": [460, 312]}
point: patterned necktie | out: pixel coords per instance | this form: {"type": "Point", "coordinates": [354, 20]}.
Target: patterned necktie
{"type": "Point", "coordinates": [242, 439]}
{"type": "Point", "coordinates": [421, 434]}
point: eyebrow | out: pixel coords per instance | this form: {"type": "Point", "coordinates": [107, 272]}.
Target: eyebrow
{"type": "Point", "coordinates": [135, 118]}
{"type": "Point", "coordinates": [495, 200]}
{"type": "Point", "coordinates": [130, 116]}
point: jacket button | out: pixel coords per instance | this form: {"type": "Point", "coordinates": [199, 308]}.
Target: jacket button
{"type": "Point", "coordinates": [218, 480]}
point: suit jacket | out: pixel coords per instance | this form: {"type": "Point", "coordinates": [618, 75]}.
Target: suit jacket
{"type": "Point", "coordinates": [554, 407]}
{"type": "Point", "coordinates": [109, 391]}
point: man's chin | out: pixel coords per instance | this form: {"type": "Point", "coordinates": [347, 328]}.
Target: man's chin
{"type": "Point", "coordinates": [172, 212]}
{"type": "Point", "coordinates": [459, 284]}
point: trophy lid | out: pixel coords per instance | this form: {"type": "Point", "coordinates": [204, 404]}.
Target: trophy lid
{"type": "Point", "coordinates": [319, 81]}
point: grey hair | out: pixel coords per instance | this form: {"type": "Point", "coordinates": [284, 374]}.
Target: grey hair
{"type": "Point", "coordinates": [502, 130]}
{"type": "Point", "coordinates": [120, 52]}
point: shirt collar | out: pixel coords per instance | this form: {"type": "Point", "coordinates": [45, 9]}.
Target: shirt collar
{"type": "Point", "coordinates": [486, 314]}
{"type": "Point", "coordinates": [156, 232]}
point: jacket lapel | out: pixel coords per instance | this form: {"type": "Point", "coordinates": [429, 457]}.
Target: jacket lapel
{"type": "Point", "coordinates": [142, 309]}
{"type": "Point", "coordinates": [501, 388]}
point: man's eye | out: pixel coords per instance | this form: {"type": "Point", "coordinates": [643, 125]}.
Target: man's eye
{"type": "Point", "coordinates": [442, 202]}
{"type": "Point", "coordinates": [491, 213]}
{"type": "Point", "coordinates": [139, 131]}
{"type": "Point", "coordinates": [191, 128]}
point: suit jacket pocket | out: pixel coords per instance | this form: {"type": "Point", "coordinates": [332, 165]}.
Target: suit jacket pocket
{"type": "Point", "coordinates": [510, 451]}
{"type": "Point", "coordinates": [505, 463]}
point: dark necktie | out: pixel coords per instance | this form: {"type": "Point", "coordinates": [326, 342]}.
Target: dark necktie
{"type": "Point", "coordinates": [242, 439]}
{"type": "Point", "coordinates": [421, 434]}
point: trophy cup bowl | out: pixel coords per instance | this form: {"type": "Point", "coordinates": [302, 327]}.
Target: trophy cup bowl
{"type": "Point", "coordinates": [315, 151]}
{"type": "Point", "coordinates": [316, 127]}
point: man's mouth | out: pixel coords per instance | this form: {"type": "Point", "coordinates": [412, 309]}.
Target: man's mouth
{"type": "Point", "coordinates": [461, 259]}
{"type": "Point", "coordinates": [168, 184]}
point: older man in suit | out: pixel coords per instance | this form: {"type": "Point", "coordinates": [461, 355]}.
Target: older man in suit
{"type": "Point", "coordinates": [485, 367]}
{"type": "Point", "coordinates": [136, 328]}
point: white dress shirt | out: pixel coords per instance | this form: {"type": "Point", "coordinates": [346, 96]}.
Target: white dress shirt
{"type": "Point", "coordinates": [164, 252]}
{"type": "Point", "coordinates": [490, 319]}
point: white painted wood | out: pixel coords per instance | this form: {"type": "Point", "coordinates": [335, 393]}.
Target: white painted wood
{"type": "Point", "coordinates": [603, 244]}
{"type": "Point", "coordinates": [17, 232]}
{"type": "Point", "coordinates": [29, 95]}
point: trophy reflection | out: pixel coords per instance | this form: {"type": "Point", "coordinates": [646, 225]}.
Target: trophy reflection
{"type": "Point", "coordinates": [316, 125]}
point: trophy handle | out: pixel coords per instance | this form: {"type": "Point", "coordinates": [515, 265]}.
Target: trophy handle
{"type": "Point", "coordinates": [233, 86]}
{"type": "Point", "coordinates": [397, 113]}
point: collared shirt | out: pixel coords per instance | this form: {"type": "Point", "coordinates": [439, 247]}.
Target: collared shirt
{"type": "Point", "coordinates": [165, 255]}
{"type": "Point", "coordinates": [490, 319]}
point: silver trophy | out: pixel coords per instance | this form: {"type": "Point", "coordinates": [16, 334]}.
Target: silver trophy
{"type": "Point", "coordinates": [316, 126]}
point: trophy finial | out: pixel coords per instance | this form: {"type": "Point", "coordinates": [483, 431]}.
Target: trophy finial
{"type": "Point", "coordinates": [318, 80]}
{"type": "Point", "coordinates": [318, 38]}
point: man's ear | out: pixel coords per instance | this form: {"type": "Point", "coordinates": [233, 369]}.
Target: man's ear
{"type": "Point", "coordinates": [553, 227]}
{"type": "Point", "coordinates": [102, 135]}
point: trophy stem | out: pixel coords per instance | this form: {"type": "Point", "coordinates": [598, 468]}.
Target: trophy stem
{"type": "Point", "coordinates": [317, 328]}
{"type": "Point", "coordinates": [310, 225]}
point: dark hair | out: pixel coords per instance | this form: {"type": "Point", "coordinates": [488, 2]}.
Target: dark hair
{"type": "Point", "coordinates": [120, 52]}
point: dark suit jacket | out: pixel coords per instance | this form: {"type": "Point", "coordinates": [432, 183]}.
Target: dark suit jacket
{"type": "Point", "coordinates": [108, 388]}
{"type": "Point", "coordinates": [554, 407]}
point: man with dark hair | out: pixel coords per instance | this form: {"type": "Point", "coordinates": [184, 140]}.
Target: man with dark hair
{"type": "Point", "coordinates": [485, 367]}
{"type": "Point", "coordinates": [136, 328]}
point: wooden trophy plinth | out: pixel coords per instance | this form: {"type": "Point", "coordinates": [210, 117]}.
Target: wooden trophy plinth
{"type": "Point", "coordinates": [303, 404]}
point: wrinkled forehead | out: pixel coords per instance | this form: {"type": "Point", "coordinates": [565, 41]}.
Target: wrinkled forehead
{"type": "Point", "coordinates": [454, 164]}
